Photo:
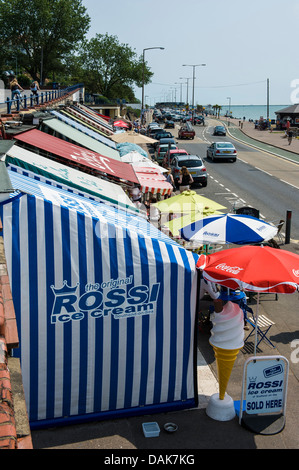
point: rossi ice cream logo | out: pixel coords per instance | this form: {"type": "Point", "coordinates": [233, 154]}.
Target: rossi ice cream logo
{"type": "Point", "coordinates": [118, 298]}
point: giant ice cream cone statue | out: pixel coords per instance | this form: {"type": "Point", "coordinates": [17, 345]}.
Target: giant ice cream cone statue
{"type": "Point", "coordinates": [227, 338]}
{"type": "Point", "coordinates": [225, 359]}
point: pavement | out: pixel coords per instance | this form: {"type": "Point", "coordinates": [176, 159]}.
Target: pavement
{"type": "Point", "coordinates": [274, 141]}
{"type": "Point", "coordinates": [124, 438]}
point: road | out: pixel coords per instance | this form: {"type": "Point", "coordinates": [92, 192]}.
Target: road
{"type": "Point", "coordinates": [257, 179]}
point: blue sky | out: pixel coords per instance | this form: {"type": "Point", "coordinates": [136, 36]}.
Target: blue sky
{"type": "Point", "coordinates": [242, 44]}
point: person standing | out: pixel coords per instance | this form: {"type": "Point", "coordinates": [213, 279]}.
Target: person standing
{"type": "Point", "coordinates": [169, 179]}
{"type": "Point", "coordinates": [290, 136]}
{"type": "Point", "coordinates": [185, 179]}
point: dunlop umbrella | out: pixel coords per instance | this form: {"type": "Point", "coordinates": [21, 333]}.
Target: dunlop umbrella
{"type": "Point", "coordinates": [229, 228]}
{"type": "Point", "coordinates": [175, 225]}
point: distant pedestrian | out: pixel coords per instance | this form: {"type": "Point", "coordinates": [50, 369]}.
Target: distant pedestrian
{"type": "Point", "coordinates": [290, 137]}
{"type": "Point", "coordinates": [136, 194]}
{"type": "Point", "coordinates": [169, 179]}
{"type": "Point", "coordinates": [185, 179]}
{"type": "Point", "coordinates": [154, 213]}
{"type": "Point", "coordinates": [34, 87]}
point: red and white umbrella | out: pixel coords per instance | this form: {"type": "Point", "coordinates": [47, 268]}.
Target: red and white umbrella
{"type": "Point", "coordinates": [253, 268]}
{"type": "Point", "coordinates": [120, 124]}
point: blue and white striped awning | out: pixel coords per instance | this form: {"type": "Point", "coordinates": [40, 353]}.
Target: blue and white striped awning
{"type": "Point", "coordinates": [85, 129]}
{"type": "Point", "coordinates": [105, 308]}
{"type": "Point", "coordinates": [116, 217]}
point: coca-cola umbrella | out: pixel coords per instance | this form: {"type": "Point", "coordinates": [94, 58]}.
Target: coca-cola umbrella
{"type": "Point", "coordinates": [254, 269]}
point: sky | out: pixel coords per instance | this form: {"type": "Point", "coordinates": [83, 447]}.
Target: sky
{"type": "Point", "coordinates": [242, 43]}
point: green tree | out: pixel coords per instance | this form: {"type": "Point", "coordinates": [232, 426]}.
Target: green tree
{"type": "Point", "coordinates": [110, 68]}
{"type": "Point", "coordinates": [217, 108]}
{"type": "Point", "coordinates": [43, 32]}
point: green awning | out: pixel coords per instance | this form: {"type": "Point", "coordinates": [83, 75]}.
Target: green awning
{"type": "Point", "coordinates": [105, 190]}
{"type": "Point", "coordinates": [66, 132]}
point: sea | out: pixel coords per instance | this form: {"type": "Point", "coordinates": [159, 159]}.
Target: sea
{"type": "Point", "coordinates": [254, 111]}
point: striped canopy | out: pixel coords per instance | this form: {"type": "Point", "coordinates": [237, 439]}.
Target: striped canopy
{"type": "Point", "coordinates": [105, 307]}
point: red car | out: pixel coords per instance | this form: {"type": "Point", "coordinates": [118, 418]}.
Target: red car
{"type": "Point", "coordinates": [186, 132]}
{"type": "Point", "coordinates": [173, 153]}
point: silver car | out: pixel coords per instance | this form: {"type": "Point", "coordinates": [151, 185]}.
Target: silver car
{"type": "Point", "coordinates": [221, 150]}
{"type": "Point", "coordinates": [195, 166]}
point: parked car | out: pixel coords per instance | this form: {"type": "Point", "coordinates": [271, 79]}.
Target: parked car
{"type": "Point", "coordinates": [162, 135]}
{"type": "Point", "coordinates": [186, 132]}
{"type": "Point", "coordinates": [169, 125]}
{"type": "Point", "coordinates": [173, 153]}
{"type": "Point", "coordinates": [153, 125]}
{"type": "Point", "coordinates": [195, 166]}
{"type": "Point", "coordinates": [168, 140]}
{"type": "Point", "coordinates": [153, 131]}
{"type": "Point", "coordinates": [219, 130]}
{"type": "Point", "coordinates": [199, 120]}
{"type": "Point", "coordinates": [162, 149]}
{"type": "Point", "coordinates": [221, 150]}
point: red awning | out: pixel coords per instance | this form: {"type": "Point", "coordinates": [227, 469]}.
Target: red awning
{"type": "Point", "coordinates": [78, 156]}
{"type": "Point", "coordinates": [107, 118]}
{"type": "Point", "coordinates": [154, 184]}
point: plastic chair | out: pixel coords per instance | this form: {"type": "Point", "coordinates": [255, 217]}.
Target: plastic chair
{"type": "Point", "coordinates": [263, 326]}
{"type": "Point", "coordinates": [279, 226]}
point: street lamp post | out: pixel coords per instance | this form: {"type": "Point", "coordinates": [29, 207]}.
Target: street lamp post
{"type": "Point", "coordinates": [229, 102]}
{"type": "Point", "coordinates": [146, 49]}
{"type": "Point", "coordinates": [187, 83]}
{"type": "Point", "coordinates": [181, 84]}
{"type": "Point", "coordinates": [195, 65]}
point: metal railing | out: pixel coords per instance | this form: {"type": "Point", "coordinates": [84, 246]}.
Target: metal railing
{"type": "Point", "coordinates": [24, 102]}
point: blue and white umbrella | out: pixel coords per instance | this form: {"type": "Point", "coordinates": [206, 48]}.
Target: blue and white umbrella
{"type": "Point", "coordinates": [229, 228]}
